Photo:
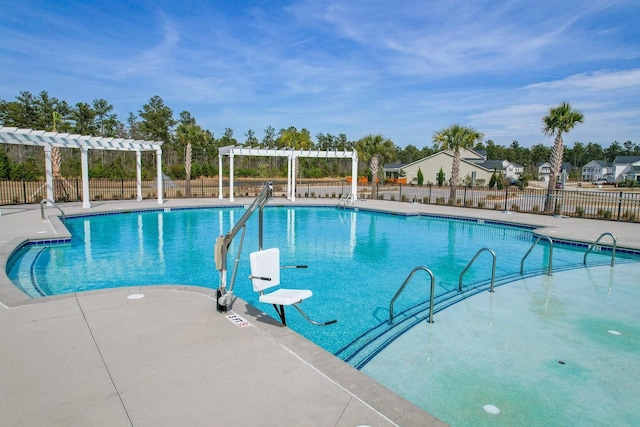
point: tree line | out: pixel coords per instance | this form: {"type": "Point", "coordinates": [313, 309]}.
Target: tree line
{"type": "Point", "coordinates": [191, 151]}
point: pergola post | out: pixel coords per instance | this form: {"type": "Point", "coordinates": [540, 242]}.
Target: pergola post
{"type": "Point", "coordinates": [354, 176]}
{"type": "Point", "coordinates": [48, 165]}
{"type": "Point", "coordinates": [138, 175]}
{"type": "Point", "coordinates": [84, 164]}
{"type": "Point", "coordinates": [294, 177]}
{"type": "Point", "coordinates": [289, 177]}
{"type": "Point", "coordinates": [159, 173]}
{"type": "Point", "coordinates": [231, 177]}
{"type": "Point", "coordinates": [220, 176]}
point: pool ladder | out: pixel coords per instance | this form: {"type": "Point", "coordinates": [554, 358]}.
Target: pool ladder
{"type": "Point", "coordinates": [52, 203]}
{"type": "Point", "coordinates": [344, 199]}
{"type": "Point", "coordinates": [493, 268]}
{"type": "Point", "coordinates": [595, 244]}
{"type": "Point", "coordinates": [550, 269]}
{"type": "Point", "coordinates": [404, 284]}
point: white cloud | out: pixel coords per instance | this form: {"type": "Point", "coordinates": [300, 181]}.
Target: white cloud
{"type": "Point", "coordinates": [596, 81]}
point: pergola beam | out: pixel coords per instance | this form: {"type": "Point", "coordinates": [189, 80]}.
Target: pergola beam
{"type": "Point", "coordinates": [40, 138]}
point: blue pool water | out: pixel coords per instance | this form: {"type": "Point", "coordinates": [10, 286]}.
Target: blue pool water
{"type": "Point", "coordinates": [357, 260]}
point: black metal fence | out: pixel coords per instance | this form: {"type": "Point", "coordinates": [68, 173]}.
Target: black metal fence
{"type": "Point", "coordinates": [587, 203]}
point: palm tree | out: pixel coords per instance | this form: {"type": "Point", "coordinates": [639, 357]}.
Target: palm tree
{"type": "Point", "coordinates": [189, 132]}
{"type": "Point", "coordinates": [560, 120]}
{"type": "Point", "coordinates": [296, 140]}
{"type": "Point", "coordinates": [454, 138]}
{"type": "Point", "coordinates": [56, 160]}
{"type": "Point", "coordinates": [372, 149]}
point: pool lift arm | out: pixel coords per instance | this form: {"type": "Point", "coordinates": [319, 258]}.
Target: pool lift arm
{"type": "Point", "coordinates": [224, 294]}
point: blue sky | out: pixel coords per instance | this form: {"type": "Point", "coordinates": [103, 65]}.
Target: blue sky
{"type": "Point", "coordinates": [403, 69]}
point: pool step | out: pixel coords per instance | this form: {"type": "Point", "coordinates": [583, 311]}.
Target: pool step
{"type": "Point", "coordinates": [361, 350]}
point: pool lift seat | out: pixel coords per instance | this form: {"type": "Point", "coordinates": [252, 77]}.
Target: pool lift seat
{"type": "Point", "coordinates": [265, 274]}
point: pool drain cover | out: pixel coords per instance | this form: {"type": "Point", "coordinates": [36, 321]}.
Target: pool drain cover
{"type": "Point", "coordinates": [135, 296]}
{"type": "Point", "coordinates": [491, 409]}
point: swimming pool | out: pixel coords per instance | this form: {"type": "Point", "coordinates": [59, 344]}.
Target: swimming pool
{"type": "Point", "coordinates": [357, 260]}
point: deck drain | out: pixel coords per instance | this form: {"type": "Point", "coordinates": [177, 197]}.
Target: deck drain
{"type": "Point", "coordinates": [612, 332]}
{"type": "Point", "coordinates": [135, 296]}
{"type": "Point", "coordinates": [491, 409]}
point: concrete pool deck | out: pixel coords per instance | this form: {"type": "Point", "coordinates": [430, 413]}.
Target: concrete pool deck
{"type": "Point", "coordinates": [99, 358]}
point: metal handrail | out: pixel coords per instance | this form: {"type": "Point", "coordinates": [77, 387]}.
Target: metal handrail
{"type": "Point", "coordinates": [493, 268]}
{"type": "Point", "coordinates": [54, 204]}
{"type": "Point", "coordinates": [613, 249]}
{"type": "Point", "coordinates": [550, 269]}
{"type": "Point", "coordinates": [406, 281]}
{"type": "Point", "coordinates": [345, 198]}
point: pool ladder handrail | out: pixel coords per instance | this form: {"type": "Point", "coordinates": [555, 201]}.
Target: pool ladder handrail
{"type": "Point", "coordinates": [345, 198]}
{"type": "Point", "coordinates": [550, 269]}
{"type": "Point", "coordinates": [493, 268]}
{"type": "Point", "coordinates": [613, 248]}
{"type": "Point", "coordinates": [406, 281]}
{"type": "Point", "coordinates": [54, 204]}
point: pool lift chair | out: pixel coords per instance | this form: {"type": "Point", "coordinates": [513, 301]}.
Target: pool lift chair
{"type": "Point", "coordinates": [267, 266]}
{"type": "Point", "coordinates": [265, 274]}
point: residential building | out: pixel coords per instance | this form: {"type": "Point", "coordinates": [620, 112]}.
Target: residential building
{"type": "Point", "coordinates": [470, 168]}
{"type": "Point", "coordinates": [597, 169]}
{"type": "Point", "coordinates": [508, 169]}
{"type": "Point", "coordinates": [544, 170]}
{"type": "Point", "coordinates": [626, 168]}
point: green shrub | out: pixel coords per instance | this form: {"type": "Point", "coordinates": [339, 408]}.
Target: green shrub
{"type": "Point", "coordinates": [579, 211]}
{"type": "Point", "coordinates": [604, 213]}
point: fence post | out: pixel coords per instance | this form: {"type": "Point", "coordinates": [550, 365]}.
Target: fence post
{"type": "Point", "coordinates": [619, 205]}
{"type": "Point", "coordinates": [506, 198]}
{"type": "Point", "coordinates": [24, 192]}
{"type": "Point", "coordinates": [399, 196]}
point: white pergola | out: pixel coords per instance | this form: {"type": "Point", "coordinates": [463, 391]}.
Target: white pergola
{"type": "Point", "coordinates": [13, 135]}
{"type": "Point", "coordinates": [291, 154]}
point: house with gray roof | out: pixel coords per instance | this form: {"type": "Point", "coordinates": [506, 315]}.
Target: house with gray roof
{"type": "Point", "coordinates": [544, 170]}
{"type": "Point", "coordinates": [626, 168]}
{"type": "Point", "coordinates": [597, 169]}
